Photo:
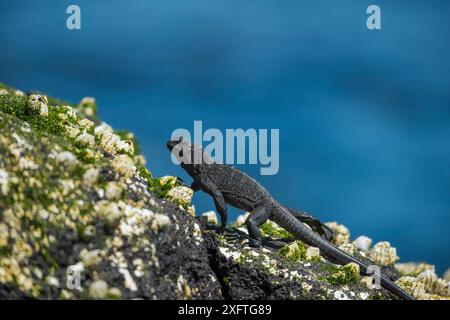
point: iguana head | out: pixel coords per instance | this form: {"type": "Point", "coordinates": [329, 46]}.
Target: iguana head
{"type": "Point", "coordinates": [191, 156]}
{"type": "Point", "coordinates": [172, 143]}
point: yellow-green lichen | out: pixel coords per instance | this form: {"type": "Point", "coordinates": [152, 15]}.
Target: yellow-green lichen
{"type": "Point", "coordinates": [344, 275]}
{"type": "Point", "coordinates": [295, 251]}
{"type": "Point", "coordinates": [268, 229]}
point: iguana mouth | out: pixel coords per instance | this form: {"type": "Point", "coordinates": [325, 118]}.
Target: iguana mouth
{"type": "Point", "coordinates": [173, 142]}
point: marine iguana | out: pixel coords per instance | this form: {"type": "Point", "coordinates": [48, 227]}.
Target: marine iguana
{"type": "Point", "coordinates": [228, 185]}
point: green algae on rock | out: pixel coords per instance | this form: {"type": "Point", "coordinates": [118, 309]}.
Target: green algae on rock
{"type": "Point", "coordinates": [72, 197]}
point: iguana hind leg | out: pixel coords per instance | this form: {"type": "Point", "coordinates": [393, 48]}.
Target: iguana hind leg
{"type": "Point", "coordinates": [314, 223]}
{"type": "Point", "coordinates": [256, 218]}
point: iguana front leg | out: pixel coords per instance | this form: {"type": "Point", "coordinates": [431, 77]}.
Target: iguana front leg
{"type": "Point", "coordinates": [209, 187]}
{"type": "Point", "coordinates": [194, 186]}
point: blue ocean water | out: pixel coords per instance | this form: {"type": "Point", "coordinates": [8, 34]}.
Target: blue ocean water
{"type": "Point", "coordinates": [364, 116]}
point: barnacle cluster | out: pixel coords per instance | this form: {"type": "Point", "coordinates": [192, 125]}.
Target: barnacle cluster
{"type": "Point", "coordinates": [383, 254]}
{"type": "Point", "coordinates": [342, 234]}
{"type": "Point", "coordinates": [181, 195]}
{"type": "Point", "coordinates": [64, 176]}
{"type": "Point", "coordinates": [419, 279]}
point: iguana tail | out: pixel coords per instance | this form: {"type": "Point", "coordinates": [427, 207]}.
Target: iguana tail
{"type": "Point", "coordinates": [288, 222]}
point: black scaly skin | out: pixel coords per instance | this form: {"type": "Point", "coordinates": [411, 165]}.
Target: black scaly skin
{"type": "Point", "coordinates": [227, 185]}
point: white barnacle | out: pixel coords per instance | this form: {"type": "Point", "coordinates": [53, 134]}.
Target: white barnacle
{"type": "Point", "coordinates": [441, 288]}
{"type": "Point", "coordinates": [86, 123]}
{"type": "Point", "coordinates": [306, 287]}
{"type": "Point", "coordinates": [347, 247]}
{"type": "Point", "coordinates": [39, 103]}
{"type": "Point", "coordinates": [363, 295]}
{"type": "Point", "coordinates": [340, 295]}
{"type": "Point", "coordinates": [86, 139]}
{"type": "Point", "coordinates": [428, 277]}
{"type": "Point", "coordinates": [19, 93]}
{"type": "Point", "coordinates": [183, 287]}
{"type": "Point", "coordinates": [89, 231]}
{"type": "Point", "coordinates": [72, 131]}
{"type": "Point", "coordinates": [67, 186]}
{"type": "Point", "coordinates": [125, 146]}
{"type": "Point", "coordinates": [139, 270]}
{"type": "Point", "coordinates": [4, 234]}
{"type": "Point", "coordinates": [446, 275]}
{"type": "Point", "coordinates": [110, 211]}
{"type": "Point", "coordinates": [124, 165]}
{"type": "Point", "coordinates": [136, 221]}
{"type": "Point", "coordinates": [382, 253]}
{"type": "Point", "coordinates": [43, 214]}
{"type": "Point", "coordinates": [4, 182]}
{"type": "Point", "coordinates": [90, 177]}
{"type": "Point", "coordinates": [52, 281]}
{"type": "Point", "coordinates": [67, 112]}
{"type": "Point", "coordinates": [87, 104]}
{"type": "Point", "coordinates": [159, 221]}
{"type": "Point", "coordinates": [25, 164]}
{"type": "Point", "coordinates": [168, 181]}
{"type": "Point", "coordinates": [412, 285]}
{"type": "Point", "coordinates": [140, 160]}
{"type": "Point", "coordinates": [130, 284]}
{"type": "Point", "coordinates": [406, 268]}
{"type": "Point", "coordinates": [114, 293]}
{"type": "Point", "coordinates": [111, 142]}
{"type": "Point", "coordinates": [433, 284]}
{"type": "Point", "coordinates": [91, 258]}
{"type": "Point", "coordinates": [88, 100]}
{"type": "Point", "coordinates": [191, 210]}
{"type": "Point", "coordinates": [197, 232]}
{"type": "Point", "coordinates": [240, 220]}
{"type": "Point", "coordinates": [362, 243]}
{"type": "Point", "coordinates": [25, 127]}
{"type": "Point", "coordinates": [66, 158]}
{"type": "Point", "coordinates": [342, 234]}
{"type": "Point", "coordinates": [113, 190]}
{"type": "Point", "coordinates": [312, 253]}
{"type": "Point", "coordinates": [98, 289]}
{"type": "Point", "coordinates": [181, 195]}
{"type": "Point", "coordinates": [20, 141]}
{"type": "Point", "coordinates": [102, 129]}
{"type": "Point", "coordinates": [146, 215]}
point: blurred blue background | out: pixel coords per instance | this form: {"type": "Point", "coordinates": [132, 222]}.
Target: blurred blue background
{"type": "Point", "coordinates": [364, 116]}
